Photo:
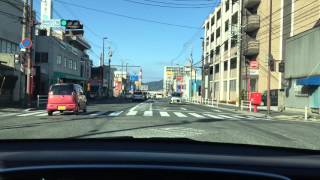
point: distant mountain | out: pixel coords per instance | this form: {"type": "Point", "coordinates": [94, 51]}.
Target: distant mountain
{"type": "Point", "coordinates": [155, 85]}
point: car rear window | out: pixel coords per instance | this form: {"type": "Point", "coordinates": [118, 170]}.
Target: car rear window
{"type": "Point", "coordinates": [176, 94]}
{"type": "Point", "coordinates": [62, 89]}
{"type": "Point", "coordinates": [138, 93]}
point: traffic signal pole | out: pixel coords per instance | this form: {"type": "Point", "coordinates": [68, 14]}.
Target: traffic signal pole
{"type": "Point", "coordinates": [269, 58]}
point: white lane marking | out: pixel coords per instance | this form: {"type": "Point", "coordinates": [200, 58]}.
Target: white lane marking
{"type": "Point", "coordinates": [117, 113]}
{"type": "Point", "coordinates": [216, 110]}
{"type": "Point", "coordinates": [150, 107]}
{"type": "Point", "coordinates": [179, 114]}
{"type": "Point", "coordinates": [136, 106]}
{"type": "Point", "coordinates": [132, 113]}
{"type": "Point", "coordinates": [164, 114]}
{"type": "Point", "coordinates": [227, 117]}
{"type": "Point", "coordinates": [29, 114]}
{"type": "Point", "coordinates": [98, 113]}
{"type": "Point", "coordinates": [213, 116]}
{"type": "Point", "coordinates": [43, 114]}
{"type": "Point", "coordinates": [196, 115]}
{"type": "Point", "coordinates": [148, 113]}
{"type": "Point", "coordinates": [184, 109]}
{"type": "Point", "coordinates": [9, 114]}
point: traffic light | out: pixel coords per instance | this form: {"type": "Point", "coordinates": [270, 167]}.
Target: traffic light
{"type": "Point", "coordinates": [281, 67]}
{"type": "Point", "coordinates": [271, 64]}
{"type": "Point", "coordinates": [71, 24]}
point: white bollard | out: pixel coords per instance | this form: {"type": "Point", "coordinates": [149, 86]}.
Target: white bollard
{"type": "Point", "coordinates": [305, 113]}
{"type": "Point", "coordinates": [212, 102]}
{"type": "Point", "coordinates": [249, 106]}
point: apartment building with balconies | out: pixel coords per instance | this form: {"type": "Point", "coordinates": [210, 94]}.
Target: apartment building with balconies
{"type": "Point", "coordinates": [221, 58]}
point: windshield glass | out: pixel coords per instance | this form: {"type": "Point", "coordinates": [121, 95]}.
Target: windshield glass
{"type": "Point", "coordinates": [62, 89]}
{"type": "Point", "coordinates": [220, 71]}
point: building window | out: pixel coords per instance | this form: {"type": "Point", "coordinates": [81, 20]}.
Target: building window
{"type": "Point", "coordinates": [4, 46]}
{"type": "Point", "coordinates": [226, 25]}
{"type": "Point", "coordinates": [211, 70]}
{"type": "Point", "coordinates": [75, 65]}
{"type": "Point", "coordinates": [65, 62]}
{"type": "Point", "coordinates": [216, 68]}
{"type": "Point", "coordinates": [234, 1]}
{"type": "Point", "coordinates": [234, 41]}
{"type": "Point", "coordinates": [41, 57]}
{"type": "Point", "coordinates": [233, 63]}
{"type": "Point", "coordinates": [70, 64]}
{"type": "Point", "coordinates": [225, 85]}
{"type": "Point", "coordinates": [212, 37]}
{"type": "Point", "coordinates": [218, 33]}
{"type": "Point", "coordinates": [207, 41]}
{"type": "Point", "coordinates": [9, 47]}
{"type": "Point", "coordinates": [217, 50]}
{"type": "Point", "coordinates": [219, 14]}
{"type": "Point", "coordinates": [227, 5]}
{"type": "Point", "coordinates": [234, 19]}
{"type": "Point", "coordinates": [225, 66]}
{"type": "Point", "coordinates": [226, 45]}
{"type": "Point", "coordinates": [212, 21]}
{"type": "Point", "coordinates": [208, 26]}
{"type": "Point", "coordinates": [233, 85]}
{"type": "Point", "coordinates": [211, 54]}
{"type": "Point", "coordinates": [59, 58]}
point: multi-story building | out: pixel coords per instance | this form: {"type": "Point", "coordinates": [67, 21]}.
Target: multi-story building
{"type": "Point", "coordinates": [221, 53]}
{"type": "Point", "coordinates": [251, 28]}
{"type": "Point", "coordinates": [173, 79]}
{"type": "Point", "coordinates": [12, 74]}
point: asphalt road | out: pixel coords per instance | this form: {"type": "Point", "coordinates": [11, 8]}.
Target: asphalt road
{"type": "Point", "coordinates": [158, 118]}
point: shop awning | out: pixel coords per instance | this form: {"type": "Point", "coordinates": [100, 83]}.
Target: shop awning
{"type": "Point", "coordinates": [309, 81]}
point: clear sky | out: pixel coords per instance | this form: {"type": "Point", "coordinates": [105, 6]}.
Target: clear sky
{"type": "Point", "coordinates": [135, 42]}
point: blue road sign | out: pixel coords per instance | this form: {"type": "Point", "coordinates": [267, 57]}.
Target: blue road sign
{"type": "Point", "coordinates": [26, 43]}
{"type": "Point", "coordinates": [134, 78]}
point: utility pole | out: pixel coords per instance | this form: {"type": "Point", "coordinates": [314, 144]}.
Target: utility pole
{"type": "Point", "coordinates": [191, 67]}
{"type": "Point", "coordinates": [109, 78]}
{"type": "Point", "coordinates": [239, 53]}
{"type": "Point", "coordinates": [269, 58]}
{"type": "Point", "coordinates": [27, 33]}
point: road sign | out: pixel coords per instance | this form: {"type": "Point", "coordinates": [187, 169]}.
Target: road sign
{"type": "Point", "coordinates": [26, 43]}
{"type": "Point", "coordinates": [51, 23]}
{"type": "Point", "coordinates": [254, 64]}
{"type": "Point", "coordinates": [134, 78]}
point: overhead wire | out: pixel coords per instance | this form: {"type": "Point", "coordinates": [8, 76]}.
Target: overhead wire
{"type": "Point", "coordinates": [167, 6]}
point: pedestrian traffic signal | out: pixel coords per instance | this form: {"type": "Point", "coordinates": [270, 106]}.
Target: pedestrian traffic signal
{"type": "Point", "coordinates": [63, 22]}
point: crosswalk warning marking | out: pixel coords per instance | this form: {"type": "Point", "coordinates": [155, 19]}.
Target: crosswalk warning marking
{"type": "Point", "coordinates": [117, 113]}
{"type": "Point", "coordinates": [213, 116]}
{"type": "Point", "coordinates": [148, 113]}
{"type": "Point", "coordinates": [29, 114]}
{"type": "Point", "coordinates": [179, 114]}
{"type": "Point", "coordinates": [216, 110]}
{"type": "Point", "coordinates": [98, 113]}
{"type": "Point", "coordinates": [164, 114]}
{"type": "Point", "coordinates": [132, 113]}
{"type": "Point", "coordinates": [196, 115]}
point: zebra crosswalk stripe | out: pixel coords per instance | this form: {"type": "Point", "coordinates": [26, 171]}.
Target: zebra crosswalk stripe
{"type": "Point", "coordinates": [224, 116]}
{"type": "Point", "coordinates": [179, 114]}
{"type": "Point", "coordinates": [196, 115]}
{"type": "Point", "coordinates": [29, 114]}
{"type": "Point", "coordinates": [9, 114]}
{"type": "Point", "coordinates": [213, 116]}
{"type": "Point", "coordinates": [164, 114]}
{"type": "Point", "coordinates": [240, 117]}
{"type": "Point", "coordinates": [43, 114]}
{"type": "Point", "coordinates": [117, 113]}
{"type": "Point", "coordinates": [148, 113]}
{"type": "Point", "coordinates": [132, 113]}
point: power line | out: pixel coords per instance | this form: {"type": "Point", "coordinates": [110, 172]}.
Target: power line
{"type": "Point", "coordinates": [167, 6]}
{"type": "Point", "coordinates": [180, 4]}
{"type": "Point", "coordinates": [125, 16]}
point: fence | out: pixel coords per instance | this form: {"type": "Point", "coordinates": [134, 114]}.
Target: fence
{"type": "Point", "coordinates": [41, 100]}
{"type": "Point", "coordinates": [246, 104]}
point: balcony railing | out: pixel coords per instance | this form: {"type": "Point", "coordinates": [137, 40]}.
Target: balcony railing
{"type": "Point", "coordinates": [250, 47]}
{"type": "Point", "coordinates": [252, 23]}
{"type": "Point", "coordinates": [251, 3]}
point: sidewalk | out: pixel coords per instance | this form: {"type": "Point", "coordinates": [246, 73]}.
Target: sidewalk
{"type": "Point", "coordinates": [288, 114]}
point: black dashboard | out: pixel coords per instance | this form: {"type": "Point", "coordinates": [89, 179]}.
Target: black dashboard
{"type": "Point", "coordinates": [152, 159]}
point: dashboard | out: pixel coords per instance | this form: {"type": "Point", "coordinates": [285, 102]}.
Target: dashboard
{"type": "Point", "coordinates": [152, 158]}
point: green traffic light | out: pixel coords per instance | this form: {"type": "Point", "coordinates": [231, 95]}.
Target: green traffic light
{"type": "Point", "coordinates": [63, 22]}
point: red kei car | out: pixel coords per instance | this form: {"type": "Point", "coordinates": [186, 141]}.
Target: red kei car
{"type": "Point", "coordinates": [66, 97]}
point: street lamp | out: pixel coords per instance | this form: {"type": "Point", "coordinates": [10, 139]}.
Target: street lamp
{"type": "Point", "coordinates": [102, 62]}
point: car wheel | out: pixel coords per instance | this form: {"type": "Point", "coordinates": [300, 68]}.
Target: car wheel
{"type": "Point", "coordinates": [61, 112]}
{"type": "Point", "coordinates": [85, 110]}
{"type": "Point", "coordinates": [50, 113]}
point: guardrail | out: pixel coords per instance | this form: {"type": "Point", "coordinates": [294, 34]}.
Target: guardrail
{"type": "Point", "coordinates": [247, 104]}
{"type": "Point", "coordinates": [41, 99]}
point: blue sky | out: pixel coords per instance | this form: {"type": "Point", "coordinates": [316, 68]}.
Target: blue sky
{"type": "Point", "coordinates": [149, 45]}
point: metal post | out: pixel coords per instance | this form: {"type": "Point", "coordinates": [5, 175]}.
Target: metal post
{"type": "Point", "coordinates": [109, 77]}
{"type": "Point", "coordinates": [305, 113]}
{"type": "Point", "coordinates": [38, 99]}
{"type": "Point", "coordinates": [241, 105]}
{"type": "Point", "coordinates": [250, 106]}
{"type": "Point", "coordinates": [269, 58]}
